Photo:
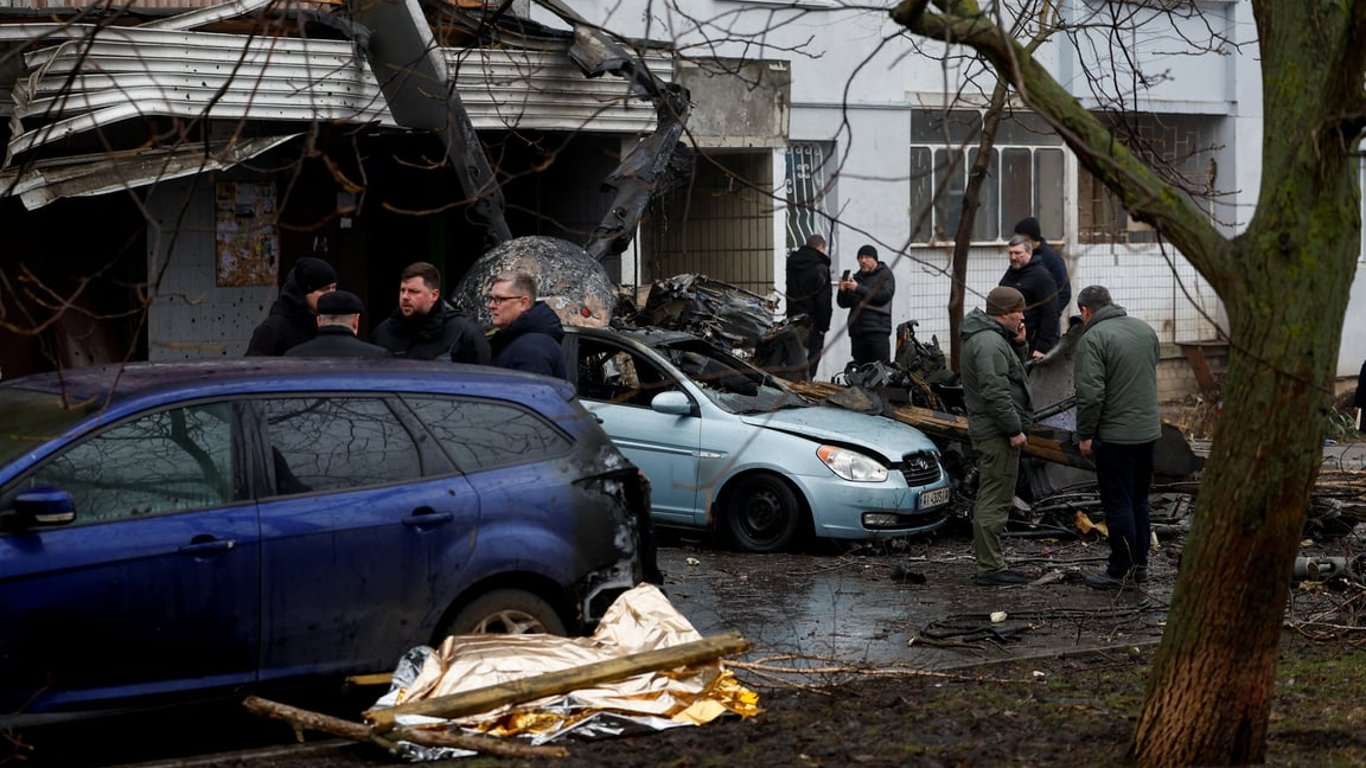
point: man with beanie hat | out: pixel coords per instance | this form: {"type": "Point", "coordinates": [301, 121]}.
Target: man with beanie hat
{"type": "Point", "coordinates": [338, 324]}
{"type": "Point", "coordinates": [1049, 258]}
{"type": "Point", "coordinates": [868, 297]}
{"type": "Point", "coordinates": [1000, 411]}
{"type": "Point", "coordinates": [1031, 279]}
{"type": "Point", "coordinates": [292, 319]}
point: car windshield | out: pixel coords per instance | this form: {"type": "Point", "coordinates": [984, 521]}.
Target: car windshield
{"type": "Point", "coordinates": [731, 383]}
{"type": "Point", "coordinates": [29, 418]}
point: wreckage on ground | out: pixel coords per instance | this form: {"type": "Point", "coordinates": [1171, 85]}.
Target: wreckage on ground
{"type": "Point", "coordinates": [1057, 493]}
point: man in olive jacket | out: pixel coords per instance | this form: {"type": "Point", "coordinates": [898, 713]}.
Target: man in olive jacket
{"type": "Point", "coordinates": [1000, 411]}
{"type": "Point", "coordinates": [1118, 424]}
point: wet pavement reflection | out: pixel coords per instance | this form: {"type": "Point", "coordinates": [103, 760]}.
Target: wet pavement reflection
{"type": "Point", "coordinates": [871, 610]}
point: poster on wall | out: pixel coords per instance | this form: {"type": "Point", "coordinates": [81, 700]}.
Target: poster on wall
{"type": "Point", "coordinates": [247, 245]}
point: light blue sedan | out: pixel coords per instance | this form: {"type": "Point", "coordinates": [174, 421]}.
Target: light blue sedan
{"type": "Point", "coordinates": [731, 449]}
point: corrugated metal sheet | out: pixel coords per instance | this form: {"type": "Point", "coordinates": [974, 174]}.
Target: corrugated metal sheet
{"type": "Point", "coordinates": [46, 181]}
{"type": "Point", "coordinates": [84, 77]}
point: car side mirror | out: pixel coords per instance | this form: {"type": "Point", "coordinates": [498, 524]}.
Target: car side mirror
{"type": "Point", "coordinates": [673, 402]}
{"type": "Point", "coordinates": [45, 505]}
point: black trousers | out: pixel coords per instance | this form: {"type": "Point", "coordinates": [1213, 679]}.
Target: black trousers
{"type": "Point", "coordinates": [815, 345]}
{"type": "Point", "coordinates": [871, 348]}
{"type": "Point", "coordinates": [1125, 473]}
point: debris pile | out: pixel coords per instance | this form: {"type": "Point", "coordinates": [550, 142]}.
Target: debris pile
{"type": "Point", "coordinates": [645, 668]}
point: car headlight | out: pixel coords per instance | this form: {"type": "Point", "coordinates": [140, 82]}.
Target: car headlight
{"type": "Point", "coordinates": [852, 465]}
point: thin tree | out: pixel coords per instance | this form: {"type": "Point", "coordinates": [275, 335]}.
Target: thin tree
{"type": "Point", "coordinates": [1284, 283]}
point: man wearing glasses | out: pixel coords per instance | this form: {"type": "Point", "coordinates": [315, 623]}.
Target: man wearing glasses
{"type": "Point", "coordinates": [529, 332]}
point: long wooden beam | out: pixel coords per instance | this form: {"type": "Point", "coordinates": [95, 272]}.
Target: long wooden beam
{"type": "Point", "coordinates": [563, 681]}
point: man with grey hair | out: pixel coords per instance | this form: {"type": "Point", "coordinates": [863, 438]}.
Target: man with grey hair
{"type": "Point", "coordinates": [529, 332]}
{"type": "Point", "coordinates": [1118, 424]}
{"type": "Point", "coordinates": [1031, 278]}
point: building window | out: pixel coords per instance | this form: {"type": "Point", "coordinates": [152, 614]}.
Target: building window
{"type": "Point", "coordinates": [1024, 175]}
{"type": "Point", "coordinates": [1181, 148]}
{"type": "Point", "coordinates": [810, 191]}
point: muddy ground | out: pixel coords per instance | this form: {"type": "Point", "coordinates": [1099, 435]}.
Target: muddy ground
{"type": "Point", "coordinates": [888, 656]}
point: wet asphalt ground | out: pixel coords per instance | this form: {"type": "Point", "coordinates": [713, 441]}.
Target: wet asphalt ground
{"type": "Point", "coordinates": [812, 618]}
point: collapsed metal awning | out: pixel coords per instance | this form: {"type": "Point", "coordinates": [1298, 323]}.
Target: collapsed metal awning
{"type": "Point", "coordinates": [46, 181]}
{"type": "Point", "coordinates": [78, 80]}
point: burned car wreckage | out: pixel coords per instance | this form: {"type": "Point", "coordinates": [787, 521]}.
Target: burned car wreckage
{"type": "Point", "coordinates": [1057, 492]}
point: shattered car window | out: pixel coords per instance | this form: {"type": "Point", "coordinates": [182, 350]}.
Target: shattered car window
{"type": "Point", "coordinates": [611, 374]}
{"type": "Point", "coordinates": [731, 383]}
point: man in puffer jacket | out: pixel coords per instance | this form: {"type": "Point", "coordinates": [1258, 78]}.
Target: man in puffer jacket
{"type": "Point", "coordinates": [1118, 425]}
{"type": "Point", "coordinates": [425, 327]}
{"type": "Point", "coordinates": [1000, 412]}
{"type": "Point", "coordinates": [529, 332]}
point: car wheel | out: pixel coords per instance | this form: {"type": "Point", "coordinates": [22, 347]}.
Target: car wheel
{"type": "Point", "coordinates": [762, 514]}
{"type": "Point", "coordinates": [506, 612]}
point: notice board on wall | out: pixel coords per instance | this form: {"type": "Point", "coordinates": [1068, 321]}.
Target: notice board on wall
{"type": "Point", "coordinates": [246, 241]}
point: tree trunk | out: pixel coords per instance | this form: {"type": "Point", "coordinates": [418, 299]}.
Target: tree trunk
{"type": "Point", "coordinates": [972, 195]}
{"type": "Point", "coordinates": [1209, 698]}
{"type": "Point", "coordinates": [1284, 283]}
{"type": "Point", "coordinates": [1210, 695]}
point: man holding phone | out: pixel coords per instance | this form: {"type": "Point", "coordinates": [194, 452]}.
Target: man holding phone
{"type": "Point", "coordinates": [868, 297]}
{"type": "Point", "coordinates": [1000, 411]}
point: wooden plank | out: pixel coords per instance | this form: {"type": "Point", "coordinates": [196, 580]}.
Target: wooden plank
{"type": "Point", "coordinates": [563, 681]}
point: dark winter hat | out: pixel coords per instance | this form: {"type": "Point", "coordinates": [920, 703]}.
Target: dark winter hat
{"type": "Point", "coordinates": [339, 303]}
{"type": "Point", "coordinates": [310, 274]}
{"type": "Point", "coordinates": [1029, 228]}
{"type": "Point", "coordinates": [1002, 301]}
{"type": "Point", "coordinates": [868, 250]}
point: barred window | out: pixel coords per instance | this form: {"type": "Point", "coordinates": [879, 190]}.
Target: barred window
{"type": "Point", "coordinates": [1024, 175]}
{"type": "Point", "coordinates": [1181, 148]}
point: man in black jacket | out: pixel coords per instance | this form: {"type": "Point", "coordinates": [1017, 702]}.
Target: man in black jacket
{"type": "Point", "coordinates": [529, 331]}
{"type": "Point", "coordinates": [338, 323]}
{"type": "Point", "coordinates": [293, 316]}
{"type": "Point", "coordinates": [425, 326]}
{"type": "Point", "coordinates": [1031, 278]}
{"type": "Point", "coordinates": [808, 293]}
{"type": "Point", "coordinates": [1050, 258]}
{"type": "Point", "coordinates": [868, 297]}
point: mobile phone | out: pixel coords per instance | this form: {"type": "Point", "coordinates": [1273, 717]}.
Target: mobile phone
{"type": "Point", "coordinates": [844, 276]}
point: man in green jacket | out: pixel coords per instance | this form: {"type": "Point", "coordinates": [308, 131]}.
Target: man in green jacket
{"type": "Point", "coordinates": [1000, 411]}
{"type": "Point", "coordinates": [1115, 373]}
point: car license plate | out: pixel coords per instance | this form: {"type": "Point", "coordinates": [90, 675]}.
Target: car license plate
{"type": "Point", "coordinates": [934, 498]}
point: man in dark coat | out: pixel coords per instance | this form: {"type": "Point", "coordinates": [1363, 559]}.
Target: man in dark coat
{"type": "Point", "coordinates": [292, 319]}
{"type": "Point", "coordinates": [1049, 258]}
{"type": "Point", "coordinates": [808, 293]}
{"type": "Point", "coordinates": [426, 327]}
{"type": "Point", "coordinates": [868, 297]}
{"type": "Point", "coordinates": [338, 323]}
{"type": "Point", "coordinates": [1030, 278]}
{"type": "Point", "coordinates": [529, 332]}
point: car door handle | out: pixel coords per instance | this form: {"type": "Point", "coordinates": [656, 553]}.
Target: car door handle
{"type": "Point", "coordinates": [428, 519]}
{"type": "Point", "coordinates": [205, 544]}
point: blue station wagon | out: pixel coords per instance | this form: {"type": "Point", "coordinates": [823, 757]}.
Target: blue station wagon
{"type": "Point", "coordinates": [730, 449]}
{"type": "Point", "coordinates": [198, 528]}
